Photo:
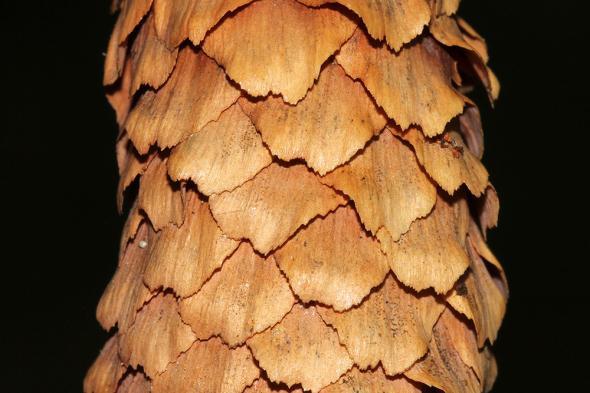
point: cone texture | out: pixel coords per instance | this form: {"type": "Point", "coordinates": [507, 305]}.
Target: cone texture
{"type": "Point", "coordinates": [311, 211]}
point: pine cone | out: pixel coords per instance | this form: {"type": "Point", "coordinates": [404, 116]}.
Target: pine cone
{"type": "Point", "coordinates": [311, 211]}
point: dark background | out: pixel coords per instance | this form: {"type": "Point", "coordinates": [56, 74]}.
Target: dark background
{"type": "Point", "coordinates": [58, 180]}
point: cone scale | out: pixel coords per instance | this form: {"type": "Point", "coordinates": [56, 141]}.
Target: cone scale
{"type": "Point", "coordinates": [312, 211]}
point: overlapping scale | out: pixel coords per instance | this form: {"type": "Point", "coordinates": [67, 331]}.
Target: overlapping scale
{"type": "Point", "coordinates": [489, 210]}
{"type": "Point", "coordinates": [476, 41]}
{"type": "Point", "coordinates": [444, 367]}
{"type": "Point", "coordinates": [185, 257]}
{"type": "Point", "coordinates": [268, 209]}
{"type": "Point", "coordinates": [157, 337]}
{"type": "Point", "coordinates": [471, 129]}
{"type": "Point", "coordinates": [301, 349]}
{"type": "Point", "coordinates": [334, 121]}
{"type": "Point", "coordinates": [221, 156]}
{"type": "Point", "coordinates": [246, 46]}
{"type": "Point", "coordinates": [480, 298]}
{"type": "Point", "coordinates": [114, 60]}
{"type": "Point", "coordinates": [106, 371]}
{"type": "Point", "coordinates": [131, 165]}
{"type": "Point", "coordinates": [454, 362]}
{"type": "Point", "coordinates": [131, 13]}
{"type": "Point", "coordinates": [392, 327]}
{"type": "Point", "coordinates": [208, 366]}
{"type": "Point", "coordinates": [119, 95]}
{"type": "Point", "coordinates": [387, 185]}
{"type": "Point", "coordinates": [445, 7]}
{"type": "Point", "coordinates": [126, 293]}
{"type": "Point", "coordinates": [463, 341]}
{"type": "Point", "coordinates": [413, 87]}
{"type": "Point", "coordinates": [130, 228]}
{"type": "Point", "coordinates": [177, 20]}
{"type": "Point", "coordinates": [333, 261]}
{"type": "Point", "coordinates": [196, 94]}
{"type": "Point", "coordinates": [481, 247]}
{"type": "Point", "coordinates": [448, 161]}
{"type": "Point", "coordinates": [432, 253]}
{"type": "Point", "coordinates": [446, 30]}
{"type": "Point", "coordinates": [159, 197]}
{"type": "Point", "coordinates": [396, 21]}
{"type": "Point", "coordinates": [151, 61]}
{"type": "Point", "coordinates": [248, 295]}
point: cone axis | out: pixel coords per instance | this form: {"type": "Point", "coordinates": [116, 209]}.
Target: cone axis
{"type": "Point", "coordinates": [311, 211]}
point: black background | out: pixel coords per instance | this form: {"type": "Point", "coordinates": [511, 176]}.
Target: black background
{"type": "Point", "coordinates": [58, 180]}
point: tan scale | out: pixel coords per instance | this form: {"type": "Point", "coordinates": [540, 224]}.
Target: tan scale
{"type": "Point", "coordinates": [268, 209]}
{"type": "Point", "coordinates": [248, 295]}
{"type": "Point", "coordinates": [151, 60]}
{"type": "Point", "coordinates": [158, 197]}
{"type": "Point", "coordinates": [480, 298]}
{"type": "Point", "coordinates": [126, 293]}
{"type": "Point", "coordinates": [208, 366]}
{"type": "Point", "coordinates": [463, 341]}
{"type": "Point", "coordinates": [413, 87]}
{"type": "Point", "coordinates": [196, 93]}
{"type": "Point", "coordinates": [489, 210]}
{"type": "Point", "coordinates": [333, 122]}
{"type": "Point", "coordinates": [157, 337]}
{"type": "Point", "coordinates": [115, 55]}
{"type": "Point", "coordinates": [392, 327]}
{"type": "Point", "coordinates": [185, 257]}
{"type": "Point", "coordinates": [446, 30]}
{"type": "Point", "coordinates": [177, 20]}
{"type": "Point", "coordinates": [432, 253]}
{"type": "Point", "coordinates": [223, 155]}
{"type": "Point", "coordinates": [448, 161]}
{"type": "Point", "coordinates": [132, 12]}
{"type": "Point", "coordinates": [333, 261]}
{"type": "Point", "coordinates": [443, 367]}
{"type": "Point", "coordinates": [131, 165]}
{"type": "Point", "coordinates": [387, 185]}
{"type": "Point", "coordinates": [119, 95]}
{"type": "Point", "coordinates": [130, 228]}
{"type": "Point", "coordinates": [306, 37]}
{"type": "Point", "coordinates": [445, 7]}
{"type": "Point", "coordinates": [301, 349]}
{"type": "Point", "coordinates": [474, 39]}
{"type": "Point", "coordinates": [396, 21]}
{"type": "Point", "coordinates": [106, 371]}
{"type": "Point", "coordinates": [481, 247]}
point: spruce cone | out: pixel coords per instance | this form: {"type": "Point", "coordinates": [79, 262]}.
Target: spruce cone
{"type": "Point", "coordinates": [312, 209]}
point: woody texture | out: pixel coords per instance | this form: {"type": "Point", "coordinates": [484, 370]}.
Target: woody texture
{"type": "Point", "coordinates": [307, 209]}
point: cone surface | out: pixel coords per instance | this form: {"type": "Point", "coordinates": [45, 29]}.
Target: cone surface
{"type": "Point", "coordinates": [312, 210]}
